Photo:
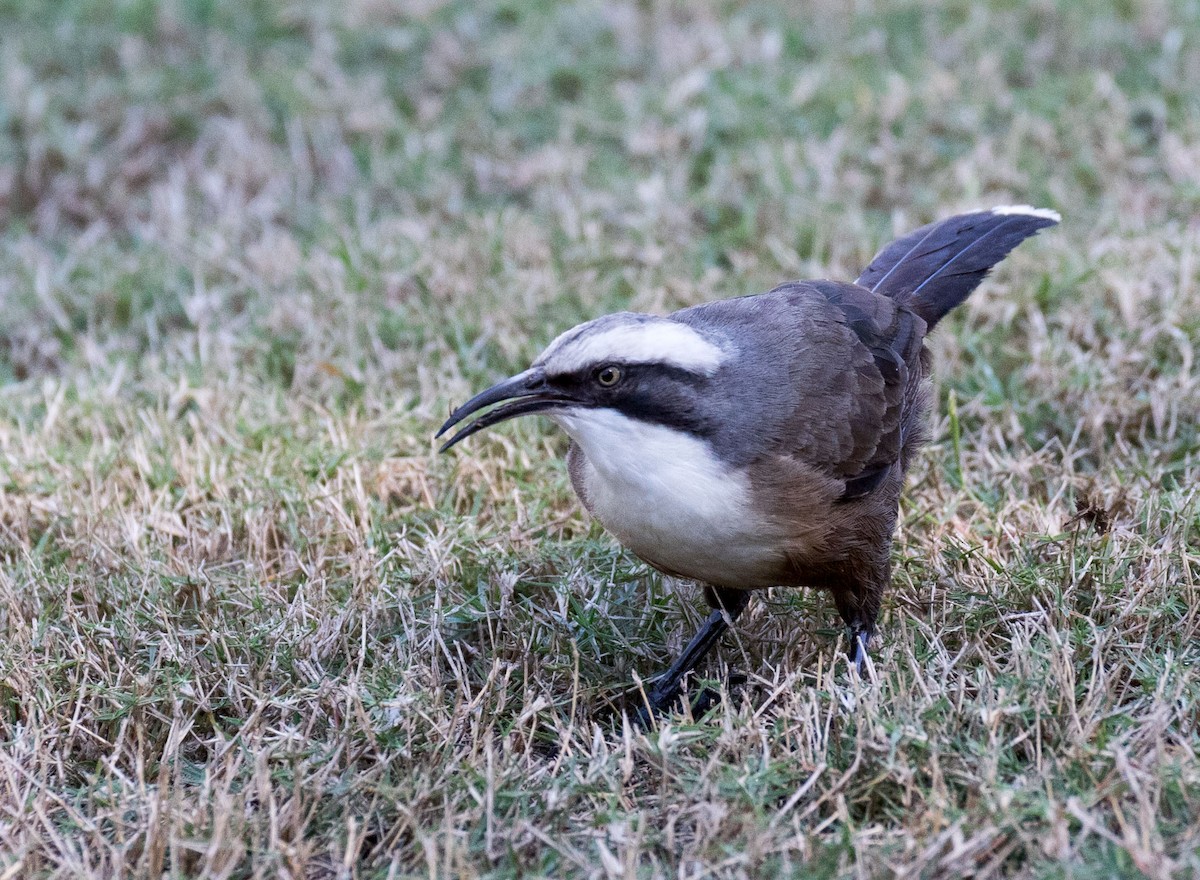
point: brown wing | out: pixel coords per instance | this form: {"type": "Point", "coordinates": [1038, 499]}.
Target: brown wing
{"type": "Point", "coordinates": [823, 379]}
{"type": "Point", "coordinates": [852, 362]}
{"type": "Point", "coordinates": [892, 337]}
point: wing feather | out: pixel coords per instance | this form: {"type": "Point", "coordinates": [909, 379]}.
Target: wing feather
{"type": "Point", "coordinates": [849, 354]}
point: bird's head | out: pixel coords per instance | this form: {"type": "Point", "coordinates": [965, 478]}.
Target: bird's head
{"type": "Point", "coordinates": [638, 366]}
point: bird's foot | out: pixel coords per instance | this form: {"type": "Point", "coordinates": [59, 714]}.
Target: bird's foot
{"type": "Point", "coordinates": [662, 702]}
{"type": "Point", "coordinates": [710, 697]}
{"type": "Point", "coordinates": [669, 686]}
{"type": "Point", "coordinates": [859, 639]}
{"type": "Point", "coordinates": [644, 717]}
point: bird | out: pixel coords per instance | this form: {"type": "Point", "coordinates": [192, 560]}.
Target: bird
{"type": "Point", "coordinates": [760, 441]}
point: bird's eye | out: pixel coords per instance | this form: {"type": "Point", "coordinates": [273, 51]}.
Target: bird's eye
{"type": "Point", "coordinates": [608, 376]}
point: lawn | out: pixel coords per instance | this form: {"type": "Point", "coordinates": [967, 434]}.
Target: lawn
{"type": "Point", "coordinates": [251, 253]}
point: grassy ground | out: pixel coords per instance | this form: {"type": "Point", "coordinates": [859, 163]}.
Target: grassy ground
{"type": "Point", "coordinates": [253, 626]}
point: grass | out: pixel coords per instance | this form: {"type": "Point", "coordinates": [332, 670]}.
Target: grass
{"type": "Point", "coordinates": [255, 627]}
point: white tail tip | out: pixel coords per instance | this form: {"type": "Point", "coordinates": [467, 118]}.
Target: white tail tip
{"type": "Point", "coordinates": [1029, 211]}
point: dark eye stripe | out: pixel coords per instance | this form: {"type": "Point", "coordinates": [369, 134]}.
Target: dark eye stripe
{"type": "Point", "coordinates": [635, 378]}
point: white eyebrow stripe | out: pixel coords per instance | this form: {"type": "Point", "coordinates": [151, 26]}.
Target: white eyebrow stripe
{"type": "Point", "coordinates": [661, 341]}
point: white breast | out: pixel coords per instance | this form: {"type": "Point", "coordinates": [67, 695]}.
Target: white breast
{"type": "Point", "coordinates": [666, 496]}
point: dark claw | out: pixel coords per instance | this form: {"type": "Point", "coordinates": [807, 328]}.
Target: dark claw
{"type": "Point", "coordinates": [704, 701]}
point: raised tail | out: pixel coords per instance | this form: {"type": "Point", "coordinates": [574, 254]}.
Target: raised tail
{"type": "Point", "coordinates": [935, 268]}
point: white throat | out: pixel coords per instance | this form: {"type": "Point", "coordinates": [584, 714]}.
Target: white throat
{"type": "Point", "coordinates": [667, 496]}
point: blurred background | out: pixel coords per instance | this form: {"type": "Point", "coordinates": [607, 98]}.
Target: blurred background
{"type": "Point", "coordinates": [250, 252]}
{"type": "Point", "coordinates": [219, 186]}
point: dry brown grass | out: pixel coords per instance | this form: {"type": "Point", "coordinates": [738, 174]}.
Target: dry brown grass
{"type": "Point", "coordinates": [255, 627]}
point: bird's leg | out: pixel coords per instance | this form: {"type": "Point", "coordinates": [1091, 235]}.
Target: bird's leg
{"type": "Point", "coordinates": [727, 605]}
{"type": "Point", "coordinates": [860, 624]}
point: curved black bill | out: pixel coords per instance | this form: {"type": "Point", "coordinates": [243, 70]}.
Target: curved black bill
{"type": "Point", "coordinates": [525, 393]}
